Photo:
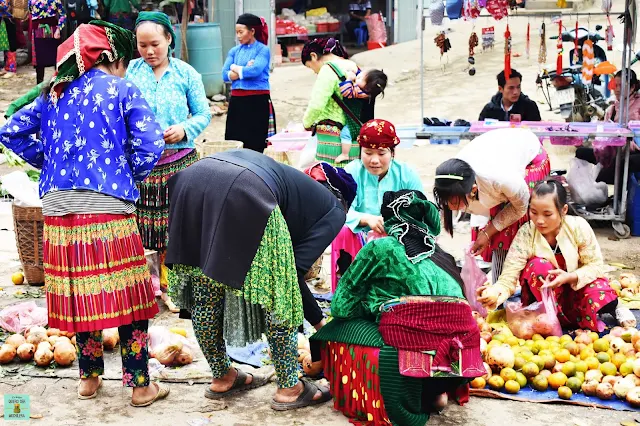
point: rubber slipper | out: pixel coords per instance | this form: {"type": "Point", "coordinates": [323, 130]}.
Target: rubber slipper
{"type": "Point", "coordinates": [305, 399]}
{"type": "Point", "coordinates": [93, 395]}
{"type": "Point", "coordinates": [239, 385]}
{"type": "Point", "coordinates": [163, 392]}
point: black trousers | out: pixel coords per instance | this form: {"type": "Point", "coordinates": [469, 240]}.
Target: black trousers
{"type": "Point", "coordinates": [248, 121]}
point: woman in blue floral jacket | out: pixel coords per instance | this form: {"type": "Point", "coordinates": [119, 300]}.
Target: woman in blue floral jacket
{"type": "Point", "coordinates": [98, 137]}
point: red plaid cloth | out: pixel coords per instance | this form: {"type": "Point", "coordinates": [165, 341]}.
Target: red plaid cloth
{"type": "Point", "coordinates": [445, 327]}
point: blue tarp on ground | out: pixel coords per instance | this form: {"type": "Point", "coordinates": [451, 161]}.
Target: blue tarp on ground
{"type": "Point", "coordinates": [527, 394]}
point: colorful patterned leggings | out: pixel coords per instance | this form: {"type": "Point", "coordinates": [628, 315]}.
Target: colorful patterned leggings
{"type": "Point", "coordinates": [134, 342]}
{"type": "Point", "coordinates": [208, 322]}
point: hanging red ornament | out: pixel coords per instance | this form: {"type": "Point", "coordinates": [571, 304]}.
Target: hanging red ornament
{"type": "Point", "coordinates": [528, 44]}
{"type": "Point", "coordinates": [559, 47]}
{"type": "Point", "coordinates": [507, 53]}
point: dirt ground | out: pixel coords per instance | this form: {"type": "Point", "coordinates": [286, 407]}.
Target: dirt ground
{"type": "Point", "coordinates": [449, 93]}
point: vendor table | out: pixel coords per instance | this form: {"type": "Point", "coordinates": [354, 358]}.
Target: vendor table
{"type": "Point", "coordinates": [311, 35]}
{"type": "Point", "coordinates": [617, 215]}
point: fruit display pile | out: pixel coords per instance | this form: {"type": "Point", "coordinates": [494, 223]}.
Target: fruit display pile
{"type": "Point", "coordinates": [606, 367]}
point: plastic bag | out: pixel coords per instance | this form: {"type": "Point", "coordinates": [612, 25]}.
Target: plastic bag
{"type": "Point", "coordinates": [582, 183]}
{"type": "Point", "coordinates": [376, 28]}
{"type": "Point", "coordinates": [538, 318]}
{"type": "Point", "coordinates": [373, 235]}
{"type": "Point", "coordinates": [473, 278]}
{"type": "Point", "coordinates": [308, 153]}
{"type": "Point", "coordinates": [167, 347]}
{"type": "Point", "coordinates": [23, 316]}
{"type": "Point", "coordinates": [23, 190]}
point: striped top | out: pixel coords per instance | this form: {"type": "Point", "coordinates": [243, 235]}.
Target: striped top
{"type": "Point", "coordinates": [62, 203]}
{"type": "Point", "coordinates": [350, 90]}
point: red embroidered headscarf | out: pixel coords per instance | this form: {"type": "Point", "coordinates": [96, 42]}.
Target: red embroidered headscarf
{"type": "Point", "coordinates": [89, 45]}
{"type": "Point", "coordinates": [256, 23]}
{"type": "Point", "coordinates": [378, 133]}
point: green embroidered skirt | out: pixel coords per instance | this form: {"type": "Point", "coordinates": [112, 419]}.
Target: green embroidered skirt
{"type": "Point", "coordinates": [271, 285]}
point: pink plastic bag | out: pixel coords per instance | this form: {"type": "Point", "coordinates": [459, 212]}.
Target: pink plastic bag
{"type": "Point", "coordinates": [473, 278]}
{"type": "Point", "coordinates": [23, 316]}
{"type": "Point", "coordinates": [376, 28]}
{"type": "Point", "coordinates": [373, 235]}
{"type": "Point", "coordinates": [538, 318]}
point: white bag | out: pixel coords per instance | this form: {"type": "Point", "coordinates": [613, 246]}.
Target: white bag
{"type": "Point", "coordinates": [308, 153]}
{"type": "Point", "coordinates": [22, 189]}
{"type": "Point", "coordinates": [582, 183]}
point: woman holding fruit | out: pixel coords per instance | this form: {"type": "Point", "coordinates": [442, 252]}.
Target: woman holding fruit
{"type": "Point", "coordinates": [560, 252]}
{"type": "Point", "coordinates": [493, 187]}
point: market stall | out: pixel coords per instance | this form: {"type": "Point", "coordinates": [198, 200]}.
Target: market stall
{"type": "Point", "coordinates": [620, 136]}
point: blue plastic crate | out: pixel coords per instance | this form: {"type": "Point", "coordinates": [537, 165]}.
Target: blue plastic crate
{"type": "Point", "coordinates": [445, 140]}
{"type": "Point", "coordinates": [633, 204]}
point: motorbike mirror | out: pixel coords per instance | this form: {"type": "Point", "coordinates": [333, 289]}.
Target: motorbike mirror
{"type": "Point", "coordinates": [598, 27]}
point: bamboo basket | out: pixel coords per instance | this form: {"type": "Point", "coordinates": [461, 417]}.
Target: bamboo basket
{"type": "Point", "coordinates": [28, 224]}
{"type": "Point", "coordinates": [279, 156]}
{"type": "Point", "coordinates": [206, 148]}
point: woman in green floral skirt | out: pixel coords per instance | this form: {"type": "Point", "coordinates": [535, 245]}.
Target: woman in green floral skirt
{"type": "Point", "coordinates": [255, 229]}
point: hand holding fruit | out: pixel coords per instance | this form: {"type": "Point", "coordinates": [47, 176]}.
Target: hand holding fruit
{"type": "Point", "coordinates": [558, 277]}
{"type": "Point", "coordinates": [488, 295]}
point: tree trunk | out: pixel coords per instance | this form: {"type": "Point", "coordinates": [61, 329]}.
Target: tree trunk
{"type": "Point", "coordinates": [184, 53]}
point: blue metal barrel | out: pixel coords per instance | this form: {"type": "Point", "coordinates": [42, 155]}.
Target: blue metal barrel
{"type": "Point", "coordinates": [204, 42]}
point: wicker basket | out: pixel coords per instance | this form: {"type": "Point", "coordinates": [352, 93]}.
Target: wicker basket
{"type": "Point", "coordinates": [279, 156]}
{"type": "Point", "coordinates": [28, 224]}
{"type": "Point", "coordinates": [206, 148]}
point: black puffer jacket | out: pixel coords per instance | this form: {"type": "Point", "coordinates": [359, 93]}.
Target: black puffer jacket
{"type": "Point", "coordinates": [527, 109]}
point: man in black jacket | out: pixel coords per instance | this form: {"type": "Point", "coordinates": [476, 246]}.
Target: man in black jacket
{"type": "Point", "coordinates": [509, 103]}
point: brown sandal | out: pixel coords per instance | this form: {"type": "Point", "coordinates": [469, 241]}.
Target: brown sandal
{"type": "Point", "coordinates": [305, 399]}
{"type": "Point", "coordinates": [239, 385]}
{"type": "Point", "coordinates": [163, 392]}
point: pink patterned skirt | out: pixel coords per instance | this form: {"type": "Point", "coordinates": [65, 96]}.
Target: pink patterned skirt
{"type": "Point", "coordinates": [575, 307]}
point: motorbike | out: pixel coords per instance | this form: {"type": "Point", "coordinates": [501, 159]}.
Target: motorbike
{"type": "Point", "coordinates": [576, 101]}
